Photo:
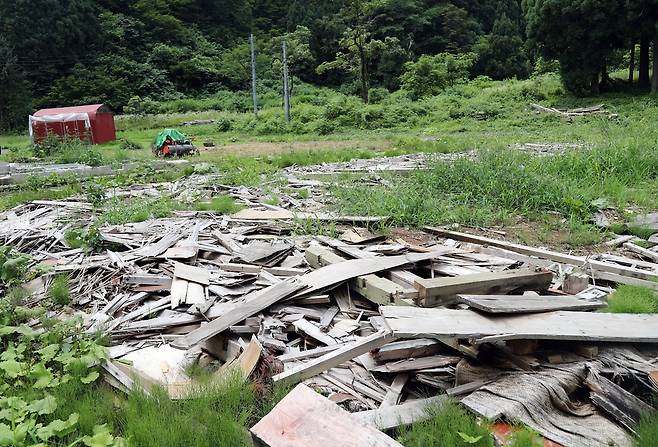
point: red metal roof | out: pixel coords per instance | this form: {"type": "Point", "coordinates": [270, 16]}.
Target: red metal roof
{"type": "Point", "coordinates": [91, 108]}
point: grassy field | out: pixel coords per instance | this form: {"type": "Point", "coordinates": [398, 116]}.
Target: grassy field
{"type": "Point", "coordinates": [545, 200]}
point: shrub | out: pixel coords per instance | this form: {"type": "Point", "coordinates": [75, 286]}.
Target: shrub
{"type": "Point", "coordinates": [47, 147]}
{"type": "Point", "coordinates": [139, 106]}
{"type": "Point", "coordinates": [95, 193]}
{"type": "Point", "coordinates": [18, 154]}
{"type": "Point", "coordinates": [129, 145]}
{"type": "Point", "coordinates": [430, 75]}
{"type": "Point", "coordinates": [378, 95]}
{"type": "Point", "coordinates": [224, 124]}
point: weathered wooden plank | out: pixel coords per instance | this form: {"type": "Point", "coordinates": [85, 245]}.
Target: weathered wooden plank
{"type": "Point", "coordinates": [178, 291]}
{"type": "Point", "coordinates": [192, 273]}
{"type": "Point", "coordinates": [334, 358]}
{"type": "Point", "coordinates": [309, 353]}
{"type": "Point", "coordinates": [412, 322]}
{"type": "Point", "coordinates": [528, 303]}
{"type": "Point", "coordinates": [386, 418]}
{"type": "Point", "coordinates": [579, 261]}
{"type": "Point", "coordinates": [413, 364]}
{"type": "Point", "coordinates": [304, 418]}
{"type": "Point", "coordinates": [250, 305]}
{"type": "Point", "coordinates": [437, 291]}
{"type": "Point", "coordinates": [405, 349]}
{"type": "Point", "coordinates": [246, 268]}
{"type": "Point", "coordinates": [313, 331]}
{"type": "Point", "coordinates": [616, 401]}
{"type": "Point", "coordinates": [282, 214]}
{"type": "Point", "coordinates": [394, 393]}
{"type": "Point", "coordinates": [373, 287]}
{"type": "Point", "coordinates": [641, 251]}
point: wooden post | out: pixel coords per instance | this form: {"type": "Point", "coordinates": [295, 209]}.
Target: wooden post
{"type": "Point", "coordinates": [286, 89]}
{"type": "Point", "coordinates": [253, 74]}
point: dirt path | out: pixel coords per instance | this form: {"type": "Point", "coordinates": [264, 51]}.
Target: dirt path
{"type": "Point", "coordinates": [264, 148]}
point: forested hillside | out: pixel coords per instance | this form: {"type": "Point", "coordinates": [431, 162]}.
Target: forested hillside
{"type": "Point", "coordinates": [123, 52]}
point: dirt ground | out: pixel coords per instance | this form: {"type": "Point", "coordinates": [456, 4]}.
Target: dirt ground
{"type": "Point", "coordinates": [268, 148]}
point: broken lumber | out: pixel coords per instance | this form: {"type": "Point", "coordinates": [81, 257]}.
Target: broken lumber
{"type": "Point", "coordinates": [334, 358]}
{"type": "Point", "coordinates": [304, 418]}
{"type": "Point", "coordinates": [512, 304]}
{"type": "Point", "coordinates": [251, 305]}
{"type": "Point", "coordinates": [580, 261]}
{"type": "Point", "coordinates": [388, 417]}
{"type": "Point", "coordinates": [413, 322]}
{"type": "Point", "coordinates": [444, 290]}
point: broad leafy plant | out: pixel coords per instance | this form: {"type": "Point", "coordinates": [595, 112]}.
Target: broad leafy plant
{"type": "Point", "coordinates": [33, 364]}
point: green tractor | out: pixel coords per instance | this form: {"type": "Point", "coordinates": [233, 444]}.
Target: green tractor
{"type": "Point", "coordinates": [172, 143]}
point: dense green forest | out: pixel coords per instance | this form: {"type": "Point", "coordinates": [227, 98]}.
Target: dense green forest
{"type": "Point", "coordinates": [127, 53]}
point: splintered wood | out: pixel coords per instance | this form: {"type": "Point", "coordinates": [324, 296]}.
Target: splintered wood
{"type": "Point", "coordinates": [381, 327]}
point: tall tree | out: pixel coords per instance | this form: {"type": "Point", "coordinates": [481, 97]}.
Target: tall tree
{"type": "Point", "coordinates": [14, 90]}
{"type": "Point", "coordinates": [580, 34]}
{"type": "Point", "coordinates": [49, 37]}
{"type": "Point", "coordinates": [356, 40]}
{"type": "Point", "coordinates": [641, 20]}
{"type": "Point", "coordinates": [501, 53]}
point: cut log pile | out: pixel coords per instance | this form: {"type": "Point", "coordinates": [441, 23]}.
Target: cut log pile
{"type": "Point", "coordinates": [381, 327]}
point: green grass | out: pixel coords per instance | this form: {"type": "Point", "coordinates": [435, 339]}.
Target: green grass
{"type": "Point", "coordinates": [524, 437]}
{"type": "Point", "coordinates": [646, 432]}
{"type": "Point", "coordinates": [120, 212]}
{"type": "Point", "coordinates": [505, 183]}
{"type": "Point", "coordinates": [60, 290]}
{"type": "Point", "coordinates": [641, 232]}
{"type": "Point", "coordinates": [216, 416]}
{"type": "Point", "coordinates": [450, 425]}
{"type": "Point", "coordinates": [633, 300]}
{"type": "Point", "coordinates": [12, 199]}
{"type": "Point", "coordinates": [220, 204]}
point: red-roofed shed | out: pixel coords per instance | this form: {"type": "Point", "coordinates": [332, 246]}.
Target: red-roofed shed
{"type": "Point", "coordinates": [94, 123]}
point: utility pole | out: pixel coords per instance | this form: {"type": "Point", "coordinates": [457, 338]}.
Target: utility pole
{"type": "Point", "coordinates": [253, 73]}
{"type": "Point", "coordinates": [286, 89]}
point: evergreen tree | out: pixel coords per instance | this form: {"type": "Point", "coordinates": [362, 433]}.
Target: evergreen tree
{"type": "Point", "coordinates": [501, 53]}
{"type": "Point", "coordinates": [14, 90]}
{"type": "Point", "coordinates": [580, 34]}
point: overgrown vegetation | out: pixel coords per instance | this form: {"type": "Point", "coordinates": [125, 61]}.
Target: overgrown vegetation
{"type": "Point", "coordinates": [503, 183]}
{"type": "Point", "coordinates": [633, 300]}
{"type": "Point", "coordinates": [646, 432]}
{"type": "Point", "coordinates": [449, 425]}
{"type": "Point", "coordinates": [34, 367]}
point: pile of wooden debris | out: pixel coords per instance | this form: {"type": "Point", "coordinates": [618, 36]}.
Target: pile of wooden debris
{"type": "Point", "coordinates": [381, 327]}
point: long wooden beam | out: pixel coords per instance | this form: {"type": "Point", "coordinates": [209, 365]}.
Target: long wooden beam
{"type": "Point", "coordinates": [444, 290]}
{"type": "Point", "coordinates": [335, 358]}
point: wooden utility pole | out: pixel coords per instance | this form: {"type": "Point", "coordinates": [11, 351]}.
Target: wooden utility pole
{"type": "Point", "coordinates": [286, 89]}
{"type": "Point", "coordinates": [253, 73]}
